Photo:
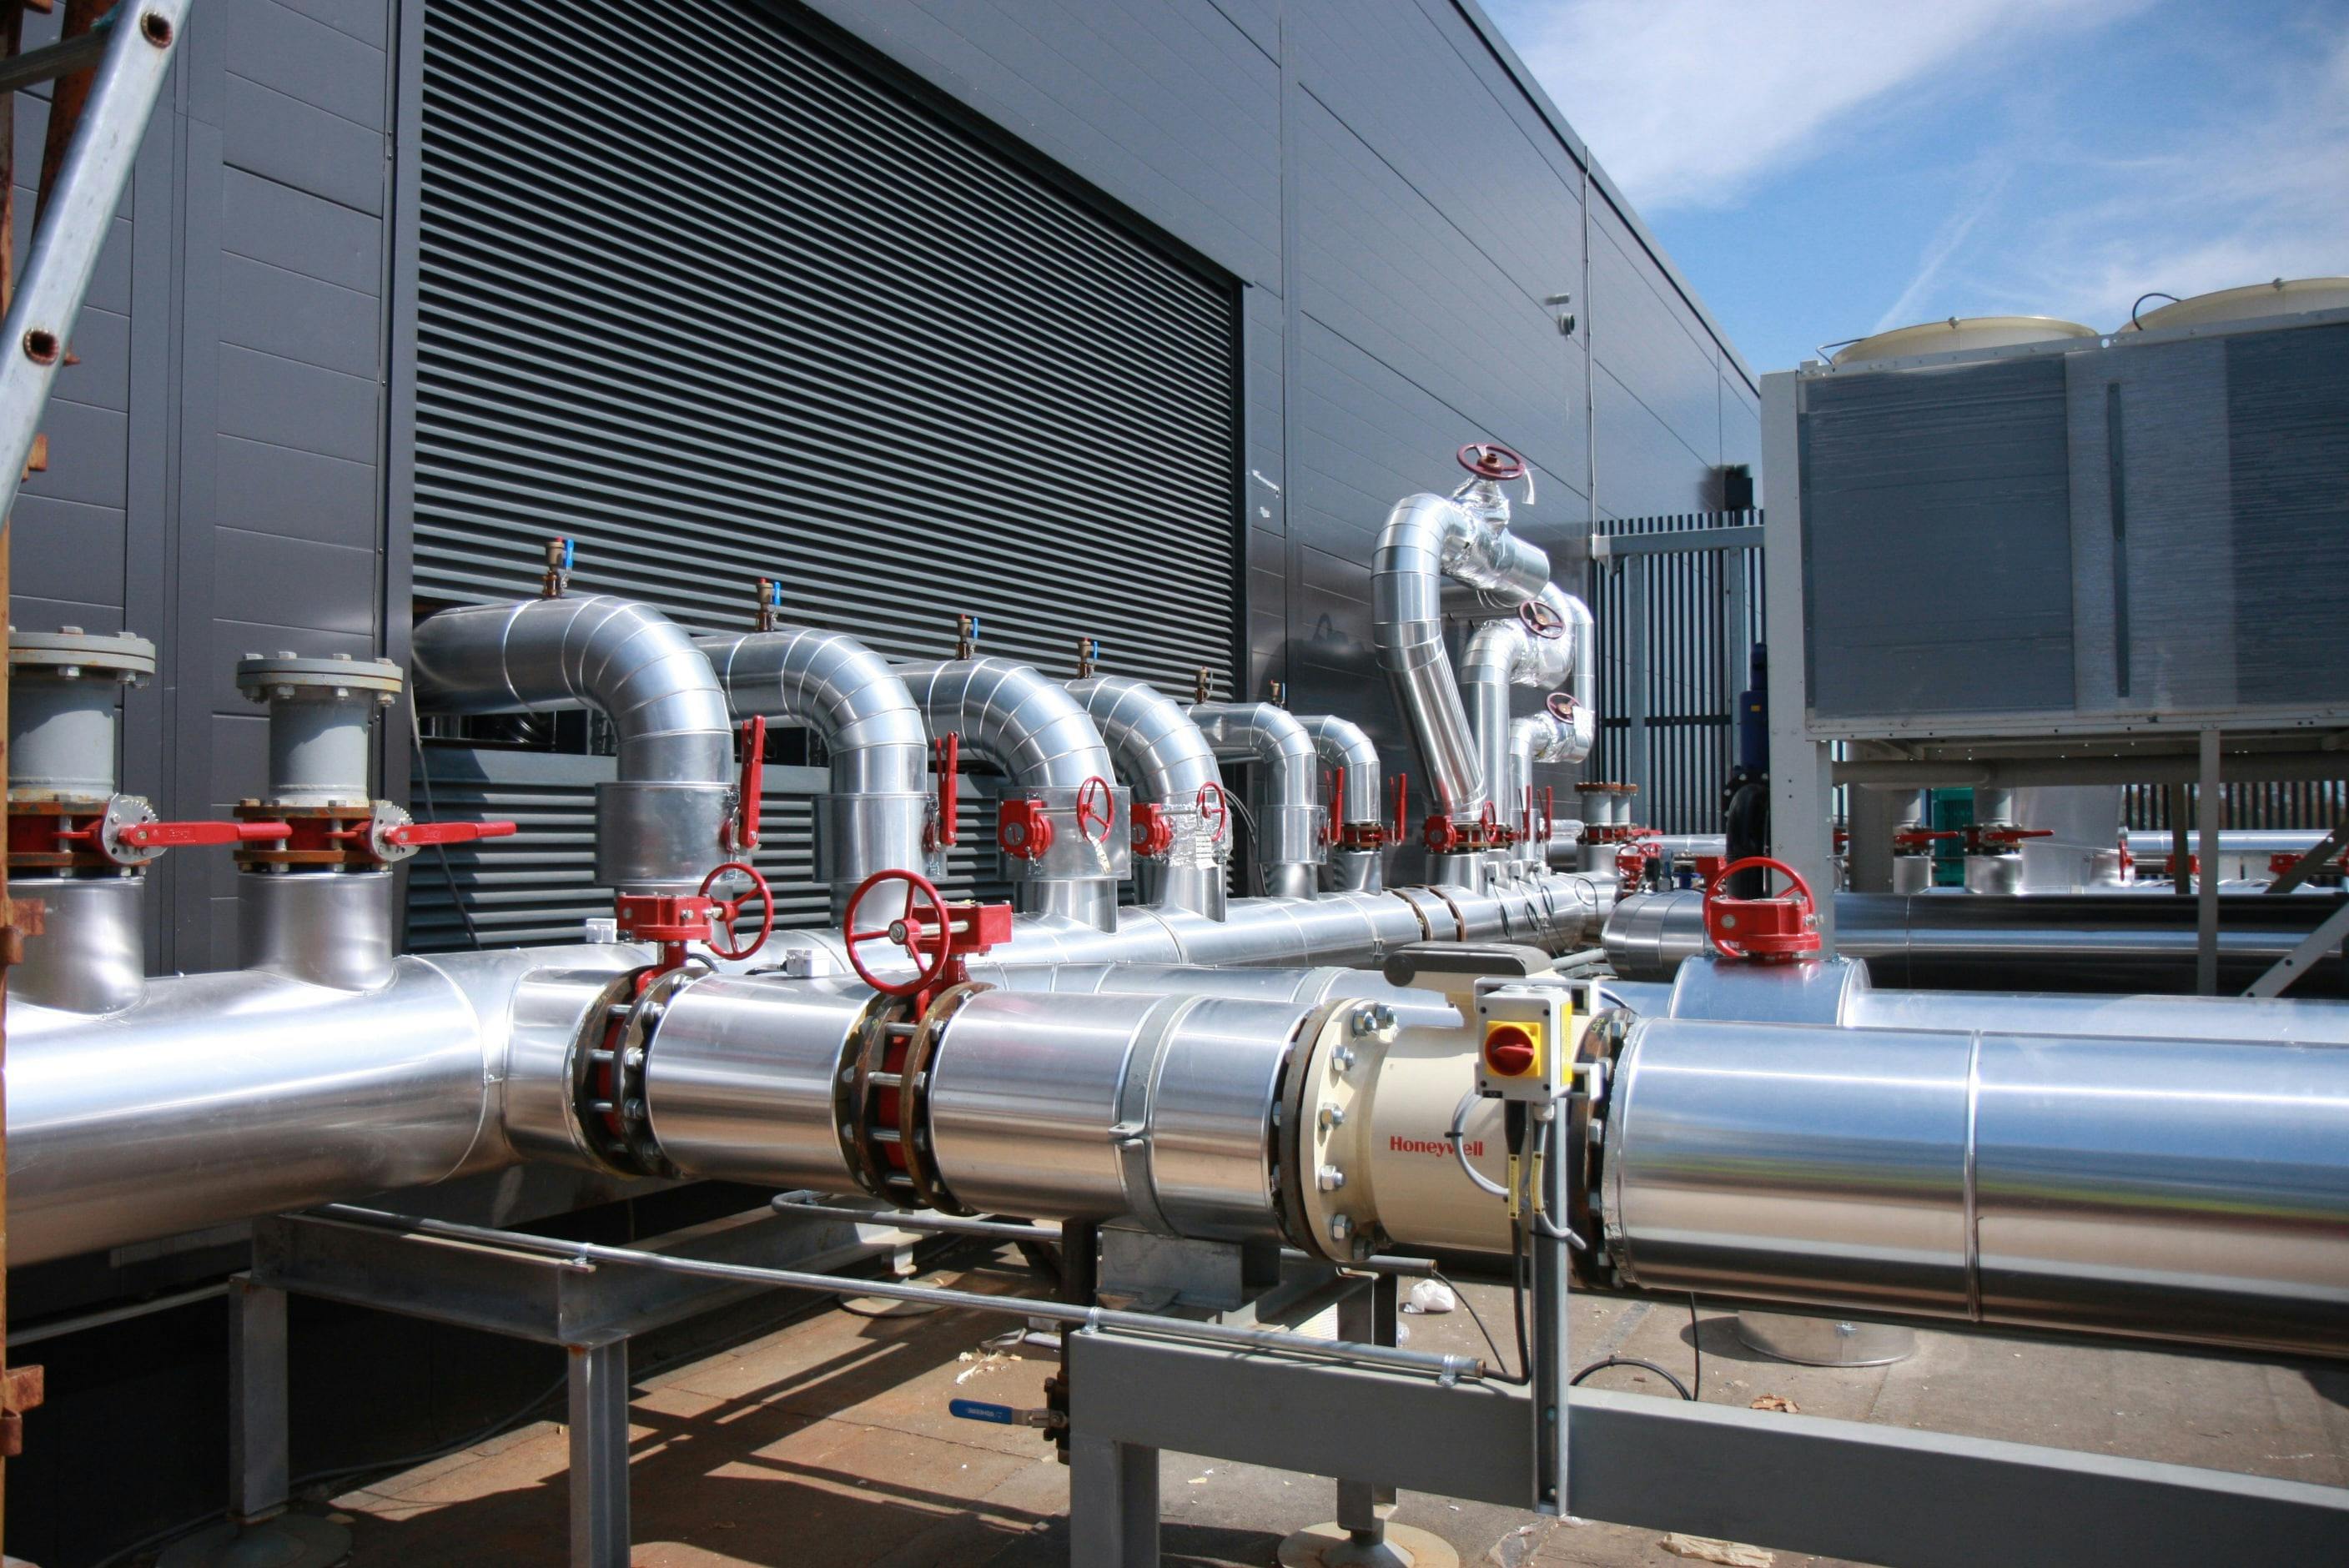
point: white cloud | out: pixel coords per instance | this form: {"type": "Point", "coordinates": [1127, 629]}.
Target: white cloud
{"type": "Point", "coordinates": [1944, 245]}
{"type": "Point", "coordinates": [2259, 191]}
{"type": "Point", "coordinates": [1684, 100]}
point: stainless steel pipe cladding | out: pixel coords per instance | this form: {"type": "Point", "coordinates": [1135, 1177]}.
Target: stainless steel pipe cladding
{"type": "Point", "coordinates": [850, 696]}
{"type": "Point", "coordinates": [2037, 942]}
{"type": "Point", "coordinates": [1099, 1106]}
{"type": "Point", "coordinates": [219, 1097]}
{"type": "Point", "coordinates": [658, 826]}
{"type": "Point", "coordinates": [91, 955]}
{"type": "Point", "coordinates": [2170, 1189]}
{"type": "Point", "coordinates": [1289, 812]}
{"type": "Point", "coordinates": [743, 1079]}
{"type": "Point", "coordinates": [328, 928]}
{"type": "Point", "coordinates": [1169, 763]}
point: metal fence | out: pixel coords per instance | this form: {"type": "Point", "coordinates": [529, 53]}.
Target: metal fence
{"type": "Point", "coordinates": [2313, 804]}
{"type": "Point", "coordinates": [1678, 604]}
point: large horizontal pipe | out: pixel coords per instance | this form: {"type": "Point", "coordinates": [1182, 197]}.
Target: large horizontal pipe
{"type": "Point", "coordinates": [1987, 941]}
{"type": "Point", "coordinates": [2022, 772]}
{"type": "Point", "coordinates": [2174, 1188]}
{"type": "Point", "coordinates": [219, 1097]}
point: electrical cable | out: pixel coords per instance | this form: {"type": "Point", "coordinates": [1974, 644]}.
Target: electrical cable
{"type": "Point", "coordinates": [1490, 1344]}
{"type": "Point", "coordinates": [1696, 1342]}
{"type": "Point", "coordinates": [1602, 1363]}
{"type": "Point", "coordinates": [1452, 1135]}
{"type": "Point", "coordinates": [2156, 294]}
{"type": "Point", "coordinates": [432, 813]}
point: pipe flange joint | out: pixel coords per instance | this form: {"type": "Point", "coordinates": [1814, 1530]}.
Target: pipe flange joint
{"type": "Point", "coordinates": [71, 653]}
{"type": "Point", "coordinates": [291, 678]}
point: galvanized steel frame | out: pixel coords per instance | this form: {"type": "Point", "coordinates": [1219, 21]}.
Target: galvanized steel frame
{"type": "Point", "coordinates": [1838, 1489]}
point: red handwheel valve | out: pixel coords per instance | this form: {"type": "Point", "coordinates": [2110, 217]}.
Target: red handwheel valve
{"type": "Point", "coordinates": [1778, 929]}
{"type": "Point", "coordinates": [919, 930]}
{"type": "Point", "coordinates": [1096, 811]}
{"type": "Point", "coordinates": [730, 910]}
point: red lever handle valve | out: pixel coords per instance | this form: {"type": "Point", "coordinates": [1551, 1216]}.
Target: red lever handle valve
{"type": "Point", "coordinates": [186, 835]}
{"type": "Point", "coordinates": [422, 833]}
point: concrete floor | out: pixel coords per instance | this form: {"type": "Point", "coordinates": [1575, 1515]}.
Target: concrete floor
{"type": "Point", "coordinates": [828, 1443]}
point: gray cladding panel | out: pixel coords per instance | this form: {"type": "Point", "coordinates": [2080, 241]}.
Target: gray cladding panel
{"type": "Point", "coordinates": [1385, 268]}
{"type": "Point", "coordinates": [1646, 337]}
{"type": "Point", "coordinates": [1392, 75]}
{"type": "Point", "coordinates": [1643, 465]}
{"type": "Point", "coordinates": [1918, 481]}
{"type": "Point", "coordinates": [1174, 109]}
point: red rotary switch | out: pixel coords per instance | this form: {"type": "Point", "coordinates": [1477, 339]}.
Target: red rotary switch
{"type": "Point", "coordinates": [1508, 1051]}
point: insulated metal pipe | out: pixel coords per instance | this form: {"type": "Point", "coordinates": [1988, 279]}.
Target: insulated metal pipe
{"type": "Point", "coordinates": [871, 820]}
{"type": "Point", "coordinates": [2172, 1188]}
{"type": "Point", "coordinates": [1428, 537]}
{"type": "Point", "coordinates": [1503, 653]}
{"type": "Point", "coordinates": [1027, 725]}
{"type": "Point", "coordinates": [1837, 991]}
{"type": "Point", "coordinates": [1171, 764]}
{"type": "Point", "coordinates": [1984, 941]}
{"type": "Point", "coordinates": [1288, 815]}
{"type": "Point", "coordinates": [873, 736]}
{"type": "Point", "coordinates": [1343, 745]}
{"type": "Point", "coordinates": [658, 826]}
{"type": "Point", "coordinates": [218, 1097]}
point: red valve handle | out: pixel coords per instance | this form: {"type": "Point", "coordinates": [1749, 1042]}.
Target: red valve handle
{"type": "Point", "coordinates": [2015, 835]}
{"type": "Point", "coordinates": [1491, 460]}
{"type": "Point", "coordinates": [1151, 833]}
{"type": "Point", "coordinates": [1542, 620]}
{"type": "Point", "coordinates": [1722, 915]}
{"type": "Point", "coordinates": [1022, 830]}
{"type": "Point", "coordinates": [732, 908]}
{"type": "Point", "coordinates": [1215, 812]}
{"type": "Point", "coordinates": [449, 832]}
{"type": "Point", "coordinates": [923, 934]}
{"type": "Point", "coordinates": [1439, 835]}
{"type": "Point", "coordinates": [1096, 807]}
{"type": "Point", "coordinates": [742, 832]}
{"type": "Point", "coordinates": [1491, 819]}
{"type": "Point", "coordinates": [946, 750]}
{"type": "Point", "coordinates": [1334, 781]}
{"type": "Point", "coordinates": [183, 835]}
{"type": "Point", "coordinates": [1402, 809]}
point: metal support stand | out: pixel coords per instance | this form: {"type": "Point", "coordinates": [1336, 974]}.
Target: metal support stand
{"type": "Point", "coordinates": [2210, 805]}
{"type": "Point", "coordinates": [599, 1455]}
{"type": "Point", "coordinates": [258, 1529]}
{"type": "Point", "coordinates": [1113, 1503]}
{"type": "Point", "coordinates": [1362, 1535]}
{"type": "Point", "coordinates": [259, 1477]}
{"type": "Point", "coordinates": [1799, 1484]}
{"type": "Point", "coordinates": [591, 1312]}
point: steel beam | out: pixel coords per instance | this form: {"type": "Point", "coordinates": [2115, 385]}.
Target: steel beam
{"type": "Point", "coordinates": [2301, 958]}
{"type": "Point", "coordinates": [1735, 536]}
{"type": "Point", "coordinates": [1801, 1483]}
{"type": "Point", "coordinates": [2022, 772]}
{"type": "Point", "coordinates": [2319, 854]}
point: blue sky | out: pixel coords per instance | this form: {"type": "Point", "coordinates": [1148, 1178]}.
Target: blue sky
{"type": "Point", "coordinates": [1824, 168]}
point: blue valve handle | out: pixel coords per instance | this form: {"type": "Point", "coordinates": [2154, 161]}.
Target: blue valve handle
{"type": "Point", "coordinates": [979, 1410]}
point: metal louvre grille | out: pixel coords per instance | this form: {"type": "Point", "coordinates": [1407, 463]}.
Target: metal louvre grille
{"type": "Point", "coordinates": [722, 304]}
{"type": "Point", "coordinates": [1672, 659]}
{"type": "Point", "coordinates": [538, 886]}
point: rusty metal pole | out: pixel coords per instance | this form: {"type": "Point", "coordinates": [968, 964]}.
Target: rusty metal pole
{"type": "Point", "coordinates": [12, 29]}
